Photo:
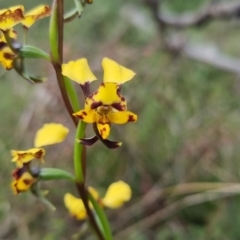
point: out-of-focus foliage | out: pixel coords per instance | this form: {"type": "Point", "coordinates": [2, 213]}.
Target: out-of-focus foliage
{"type": "Point", "coordinates": [188, 128]}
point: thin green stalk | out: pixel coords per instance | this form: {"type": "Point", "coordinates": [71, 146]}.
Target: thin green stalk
{"type": "Point", "coordinates": [56, 44]}
{"type": "Point", "coordinates": [84, 195]}
{"type": "Point", "coordinates": [60, 13]}
{"type": "Point", "coordinates": [53, 32]}
{"type": "Point", "coordinates": [78, 153]}
{"type": "Point", "coordinates": [102, 217]}
{"type": "Point", "coordinates": [72, 94]}
{"type": "Point", "coordinates": [55, 173]}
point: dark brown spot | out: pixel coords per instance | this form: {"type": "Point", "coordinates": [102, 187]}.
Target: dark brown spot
{"type": "Point", "coordinates": [28, 181]}
{"type": "Point", "coordinates": [2, 45]}
{"type": "Point", "coordinates": [95, 105]}
{"type": "Point", "coordinates": [39, 154]}
{"type": "Point", "coordinates": [18, 172]}
{"type": "Point", "coordinates": [131, 118]}
{"type": "Point", "coordinates": [119, 106]}
{"type": "Point", "coordinates": [84, 113]}
{"type": "Point", "coordinates": [9, 56]}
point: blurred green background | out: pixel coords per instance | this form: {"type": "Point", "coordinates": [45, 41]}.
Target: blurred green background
{"type": "Point", "coordinates": [187, 135]}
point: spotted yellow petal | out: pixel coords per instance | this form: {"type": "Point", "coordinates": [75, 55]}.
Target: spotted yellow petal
{"type": "Point", "coordinates": [10, 17]}
{"type": "Point", "coordinates": [103, 126]}
{"type": "Point", "coordinates": [23, 180]}
{"type": "Point", "coordinates": [114, 72]}
{"type": "Point", "coordinates": [35, 14]}
{"type": "Point", "coordinates": [87, 115]}
{"type": "Point", "coordinates": [117, 193]}
{"type": "Point", "coordinates": [78, 71]}
{"type": "Point", "coordinates": [6, 56]}
{"type": "Point", "coordinates": [75, 206]}
{"type": "Point", "coordinates": [21, 157]}
{"type": "Point", "coordinates": [122, 117]}
{"type": "Point", "coordinates": [50, 133]}
{"type": "Point", "coordinates": [106, 94]}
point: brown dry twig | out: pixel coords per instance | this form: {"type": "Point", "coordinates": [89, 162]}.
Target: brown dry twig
{"type": "Point", "coordinates": [170, 210]}
{"type": "Point", "coordinates": [178, 44]}
{"type": "Point", "coordinates": [211, 11]}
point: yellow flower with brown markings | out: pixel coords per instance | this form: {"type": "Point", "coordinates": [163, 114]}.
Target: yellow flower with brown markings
{"type": "Point", "coordinates": [11, 16]}
{"type": "Point", "coordinates": [23, 180]}
{"type": "Point", "coordinates": [117, 194]}
{"type": "Point", "coordinates": [22, 157]}
{"type": "Point", "coordinates": [24, 175]}
{"type": "Point", "coordinates": [106, 105]}
{"type": "Point", "coordinates": [51, 133]}
{"type": "Point", "coordinates": [31, 16]}
{"type": "Point", "coordinates": [14, 15]}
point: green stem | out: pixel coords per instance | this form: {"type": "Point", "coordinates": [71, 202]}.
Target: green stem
{"type": "Point", "coordinates": [28, 51]}
{"type": "Point", "coordinates": [72, 94]}
{"type": "Point", "coordinates": [84, 195]}
{"type": "Point", "coordinates": [79, 158]}
{"type": "Point", "coordinates": [102, 217]}
{"type": "Point", "coordinates": [53, 32]}
{"type": "Point", "coordinates": [55, 173]}
{"type": "Point", "coordinates": [56, 44]}
{"type": "Point", "coordinates": [60, 13]}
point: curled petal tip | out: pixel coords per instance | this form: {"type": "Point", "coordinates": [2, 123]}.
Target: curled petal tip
{"type": "Point", "coordinates": [88, 141]}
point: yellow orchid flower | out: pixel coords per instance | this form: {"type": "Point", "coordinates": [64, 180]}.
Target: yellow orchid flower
{"type": "Point", "coordinates": [51, 133]}
{"type": "Point", "coordinates": [117, 194]}
{"type": "Point", "coordinates": [10, 17]}
{"type": "Point", "coordinates": [23, 180]}
{"type": "Point", "coordinates": [22, 157]}
{"type": "Point", "coordinates": [31, 16]}
{"type": "Point", "coordinates": [14, 15]}
{"type": "Point", "coordinates": [103, 116]}
{"type": "Point", "coordinates": [106, 105]}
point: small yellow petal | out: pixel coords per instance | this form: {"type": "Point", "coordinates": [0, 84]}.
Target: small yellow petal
{"type": "Point", "coordinates": [22, 180]}
{"type": "Point", "coordinates": [122, 117]}
{"type": "Point", "coordinates": [75, 206]}
{"type": "Point", "coordinates": [113, 72]}
{"type": "Point", "coordinates": [50, 134]}
{"type": "Point", "coordinates": [10, 17]}
{"type": "Point", "coordinates": [21, 157]}
{"type": "Point", "coordinates": [6, 56]}
{"type": "Point", "coordinates": [117, 193]}
{"type": "Point", "coordinates": [103, 126]}
{"type": "Point", "coordinates": [78, 71]}
{"type": "Point", "coordinates": [87, 115]}
{"type": "Point", "coordinates": [35, 14]}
